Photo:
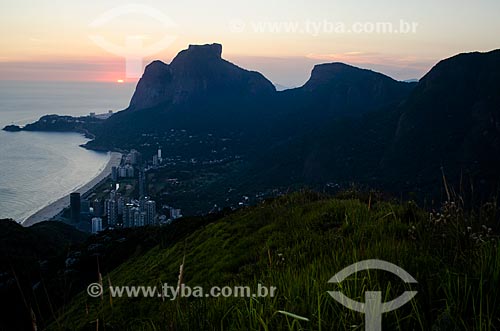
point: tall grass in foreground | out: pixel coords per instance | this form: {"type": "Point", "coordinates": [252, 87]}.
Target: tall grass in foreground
{"type": "Point", "coordinates": [297, 243]}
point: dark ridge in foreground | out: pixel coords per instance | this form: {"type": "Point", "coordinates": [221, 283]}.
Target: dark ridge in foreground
{"type": "Point", "coordinates": [297, 243]}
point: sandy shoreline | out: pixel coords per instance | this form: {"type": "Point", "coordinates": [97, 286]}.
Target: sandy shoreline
{"type": "Point", "coordinates": [53, 209]}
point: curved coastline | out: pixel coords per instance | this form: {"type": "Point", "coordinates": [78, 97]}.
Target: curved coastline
{"type": "Point", "coordinates": [51, 210]}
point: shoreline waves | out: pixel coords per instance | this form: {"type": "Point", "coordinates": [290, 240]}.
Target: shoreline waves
{"type": "Point", "coordinates": [51, 210]}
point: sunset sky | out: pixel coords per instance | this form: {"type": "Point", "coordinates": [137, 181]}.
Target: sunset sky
{"type": "Point", "coordinates": [56, 40]}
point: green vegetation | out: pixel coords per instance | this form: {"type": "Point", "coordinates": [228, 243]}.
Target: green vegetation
{"type": "Point", "coordinates": [195, 188]}
{"type": "Point", "coordinates": [297, 243]}
{"type": "Point", "coordinates": [31, 260]}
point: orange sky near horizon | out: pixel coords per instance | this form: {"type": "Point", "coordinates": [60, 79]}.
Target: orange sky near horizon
{"type": "Point", "coordinates": [91, 41]}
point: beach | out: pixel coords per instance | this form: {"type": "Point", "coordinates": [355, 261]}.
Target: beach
{"type": "Point", "coordinates": [53, 209]}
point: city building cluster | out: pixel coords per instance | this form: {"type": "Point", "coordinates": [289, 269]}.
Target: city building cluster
{"type": "Point", "coordinates": [117, 210]}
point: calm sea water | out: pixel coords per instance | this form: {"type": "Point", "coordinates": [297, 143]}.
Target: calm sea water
{"type": "Point", "coordinates": [39, 168]}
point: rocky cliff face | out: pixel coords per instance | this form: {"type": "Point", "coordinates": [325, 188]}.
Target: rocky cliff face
{"type": "Point", "coordinates": [153, 87]}
{"type": "Point", "coordinates": [197, 73]}
{"type": "Point", "coordinates": [452, 119]}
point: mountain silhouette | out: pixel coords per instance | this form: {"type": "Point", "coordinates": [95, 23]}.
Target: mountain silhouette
{"type": "Point", "coordinates": [195, 74]}
{"type": "Point", "coordinates": [448, 125]}
{"type": "Point", "coordinates": [344, 125]}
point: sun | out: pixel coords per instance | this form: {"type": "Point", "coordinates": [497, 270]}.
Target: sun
{"type": "Point", "coordinates": [120, 81]}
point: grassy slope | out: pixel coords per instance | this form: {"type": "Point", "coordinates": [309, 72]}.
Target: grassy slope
{"type": "Point", "coordinates": [30, 256]}
{"type": "Point", "coordinates": [297, 243]}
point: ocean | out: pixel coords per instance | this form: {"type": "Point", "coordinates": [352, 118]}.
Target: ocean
{"type": "Point", "coordinates": [38, 168]}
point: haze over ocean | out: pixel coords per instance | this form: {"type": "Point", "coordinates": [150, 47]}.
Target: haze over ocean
{"type": "Point", "coordinates": [38, 168]}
